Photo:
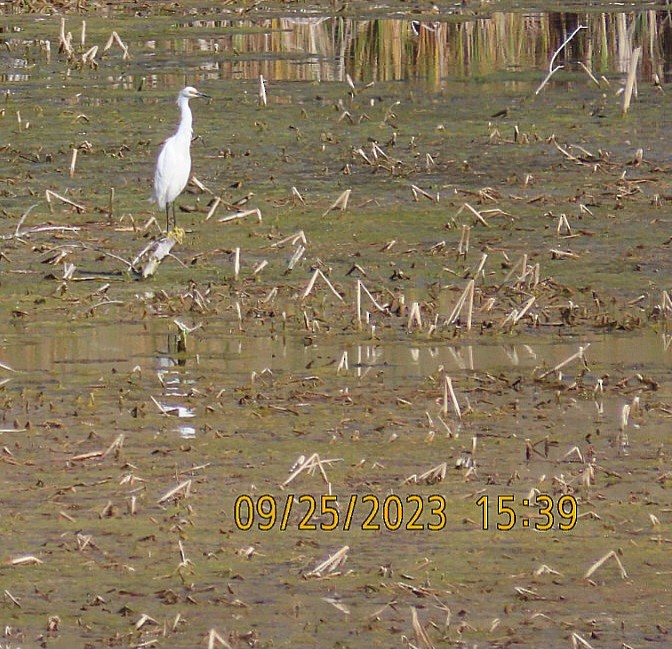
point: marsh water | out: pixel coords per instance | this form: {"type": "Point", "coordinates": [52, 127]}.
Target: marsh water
{"type": "Point", "coordinates": [411, 277]}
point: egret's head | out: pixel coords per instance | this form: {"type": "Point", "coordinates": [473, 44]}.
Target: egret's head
{"type": "Point", "coordinates": [191, 93]}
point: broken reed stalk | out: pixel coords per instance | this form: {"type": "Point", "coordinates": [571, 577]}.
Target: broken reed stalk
{"type": "Point", "coordinates": [311, 283]}
{"type": "Point", "coordinates": [475, 212]}
{"type": "Point", "coordinates": [630, 85]}
{"type": "Point", "coordinates": [418, 191]}
{"type": "Point", "coordinates": [332, 563]}
{"type": "Point", "coordinates": [578, 355]}
{"type": "Point", "coordinates": [240, 215]}
{"type": "Point", "coordinates": [468, 298]}
{"type": "Point", "coordinates": [291, 239]}
{"type": "Point", "coordinates": [114, 38]}
{"type": "Point", "coordinates": [343, 365]}
{"type": "Point", "coordinates": [578, 640]}
{"type": "Point", "coordinates": [214, 637]}
{"type": "Point", "coordinates": [515, 316]}
{"type": "Point", "coordinates": [422, 640]}
{"type": "Point", "coordinates": [49, 194]}
{"type": "Point", "coordinates": [610, 555]}
{"type": "Point", "coordinates": [340, 203]}
{"type": "Point", "coordinates": [448, 391]}
{"type": "Point", "coordinates": [213, 208]}
{"type": "Point", "coordinates": [310, 464]}
{"type": "Point", "coordinates": [589, 73]}
{"type": "Point", "coordinates": [431, 476]}
{"type": "Point", "coordinates": [414, 317]}
{"type": "Point", "coordinates": [478, 270]}
{"type": "Point", "coordinates": [361, 287]}
{"type": "Point", "coordinates": [296, 257]}
{"type": "Point", "coordinates": [297, 194]}
{"type": "Point", "coordinates": [184, 487]}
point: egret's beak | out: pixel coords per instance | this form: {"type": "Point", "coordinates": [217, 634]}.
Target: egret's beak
{"type": "Point", "coordinates": [202, 95]}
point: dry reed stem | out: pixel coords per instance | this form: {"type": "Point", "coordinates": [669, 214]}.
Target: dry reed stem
{"type": "Point", "coordinates": [417, 191]}
{"type": "Point", "coordinates": [296, 257]}
{"type": "Point", "coordinates": [213, 637]}
{"type": "Point", "coordinates": [90, 56]}
{"type": "Point", "coordinates": [563, 254]}
{"type": "Point", "coordinates": [297, 194]}
{"type": "Point", "coordinates": [117, 444]}
{"type": "Point", "coordinates": [184, 487]}
{"type": "Point", "coordinates": [589, 73]}
{"type": "Point", "coordinates": [563, 225]}
{"type": "Point", "coordinates": [236, 263]}
{"type": "Point", "coordinates": [28, 559]}
{"type": "Point", "coordinates": [515, 316]}
{"type": "Point", "coordinates": [448, 391]}
{"type": "Point", "coordinates": [578, 640]}
{"type": "Point", "coordinates": [343, 365]}
{"type": "Point", "coordinates": [86, 456]}
{"type": "Point", "coordinates": [311, 283]}
{"type": "Point", "coordinates": [340, 203]}
{"type": "Point", "coordinates": [13, 599]}
{"type": "Point", "coordinates": [73, 163]}
{"type": "Point", "coordinates": [422, 640]}
{"type": "Point", "coordinates": [65, 41]}
{"type": "Point", "coordinates": [310, 464]}
{"type": "Point", "coordinates": [610, 555]}
{"type": "Point", "coordinates": [262, 91]}
{"type": "Point", "coordinates": [463, 246]}
{"type": "Point", "coordinates": [566, 153]}
{"type": "Point", "coordinates": [336, 603]}
{"type": "Point", "coordinates": [331, 564]}
{"type": "Point", "coordinates": [578, 355]}
{"type": "Point", "coordinates": [49, 194]}
{"type": "Point", "coordinates": [431, 476]}
{"type": "Point", "coordinates": [240, 215]}
{"type": "Point", "coordinates": [291, 239]}
{"type": "Point", "coordinates": [475, 212]}
{"type": "Point", "coordinates": [414, 318]}
{"type": "Point", "coordinates": [468, 298]}
{"type": "Point", "coordinates": [213, 208]}
{"type": "Point", "coordinates": [114, 38]}
{"type": "Point", "coordinates": [631, 80]}
{"type": "Point", "coordinates": [259, 267]}
{"type": "Point", "coordinates": [359, 288]}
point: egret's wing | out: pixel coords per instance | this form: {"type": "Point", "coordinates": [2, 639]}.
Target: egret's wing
{"type": "Point", "coordinates": [173, 167]}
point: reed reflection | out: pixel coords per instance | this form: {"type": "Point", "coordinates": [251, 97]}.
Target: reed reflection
{"type": "Point", "coordinates": [329, 48]}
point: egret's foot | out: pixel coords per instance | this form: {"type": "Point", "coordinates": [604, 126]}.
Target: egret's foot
{"type": "Point", "coordinates": [176, 233]}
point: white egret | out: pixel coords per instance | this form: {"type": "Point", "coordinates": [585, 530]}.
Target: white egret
{"type": "Point", "coordinates": [173, 165]}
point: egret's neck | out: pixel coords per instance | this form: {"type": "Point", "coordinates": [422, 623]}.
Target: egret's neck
{"type": "Point", "coordinates": [184, 129]}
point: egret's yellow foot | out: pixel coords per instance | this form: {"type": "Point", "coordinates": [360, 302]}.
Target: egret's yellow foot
{"type": "Point", "coordinates": [176, 233]}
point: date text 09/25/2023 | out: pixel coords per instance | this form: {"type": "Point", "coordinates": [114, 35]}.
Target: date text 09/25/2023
{"type": "Point", "coordinates": [414, 512]}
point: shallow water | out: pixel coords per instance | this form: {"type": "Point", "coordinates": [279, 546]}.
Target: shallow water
{"type": "Point", "coordinates": [107, 407]}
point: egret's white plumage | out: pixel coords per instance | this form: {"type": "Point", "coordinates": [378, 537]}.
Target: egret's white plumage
{"type": "Point", "coordinates": [173, 165]}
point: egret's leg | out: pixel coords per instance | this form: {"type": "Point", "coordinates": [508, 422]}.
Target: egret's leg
{"type": "Point", "coordinates": [167, 218]}
{"type": "Point", "coordinates": [174, 217]}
